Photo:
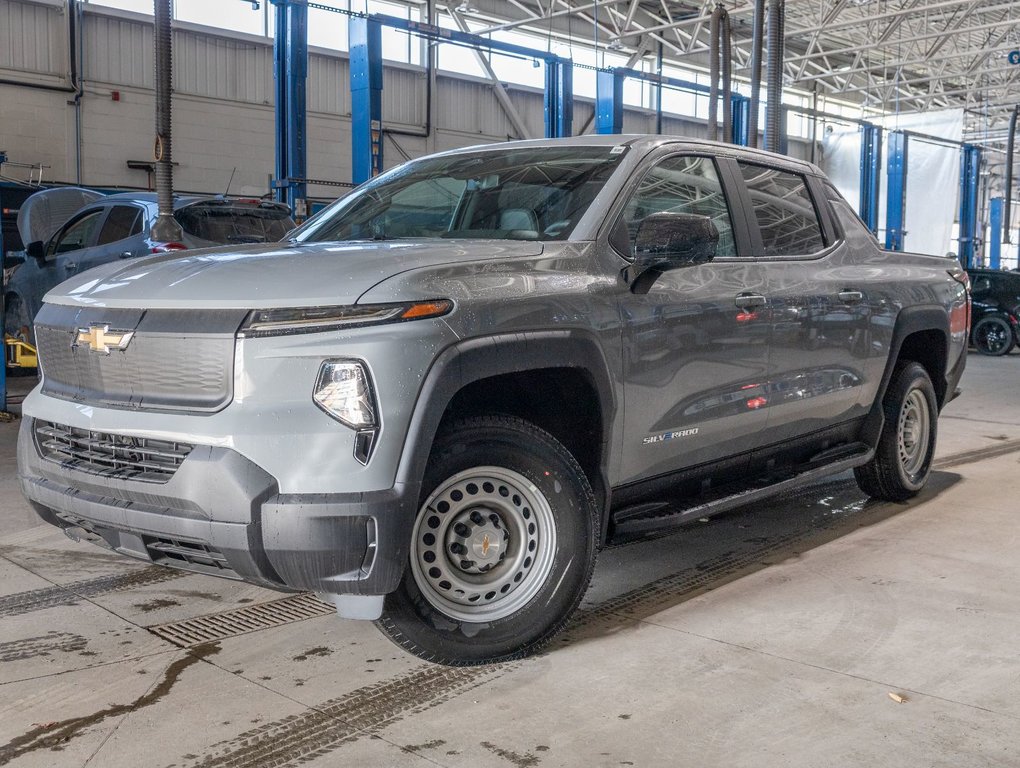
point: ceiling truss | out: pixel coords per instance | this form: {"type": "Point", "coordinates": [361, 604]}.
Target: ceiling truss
{"type": "Point", "coordinates": [889, 55]}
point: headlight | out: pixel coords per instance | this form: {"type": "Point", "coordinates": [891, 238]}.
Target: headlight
{"type": "Point", "coordinates": [277, 322]}
{"type": "Point", "coordinates": [343, 390]}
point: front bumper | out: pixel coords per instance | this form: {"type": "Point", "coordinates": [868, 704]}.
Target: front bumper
{"type": "Point", "coordinates": [222, 514]}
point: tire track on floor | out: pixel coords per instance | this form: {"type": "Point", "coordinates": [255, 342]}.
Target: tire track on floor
{"type": "Point", "coordinates": [322, 729]}
{"type": "Point", "coordinates": [71, 594]}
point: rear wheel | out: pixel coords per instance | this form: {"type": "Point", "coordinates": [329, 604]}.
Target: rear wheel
{"type": "Point", "coordinates": [502, 548]}
{"type": "Point", "coordinates": [993, 336]}
{"type": "Point", "coordinates": [902, 460]}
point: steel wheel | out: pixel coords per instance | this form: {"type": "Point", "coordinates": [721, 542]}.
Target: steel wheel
{"type": "Point", "coordinates": [483, 544]}
{"type": "Point", "coordinates": [502, 546]}
{"type": "Point", "coordinates": [903, 455]}
{"type": "Point", "coordinates": [913, 432]}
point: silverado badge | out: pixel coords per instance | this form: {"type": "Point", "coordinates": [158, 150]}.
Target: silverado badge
{"type": "Point", "coordinates": [99, 338]}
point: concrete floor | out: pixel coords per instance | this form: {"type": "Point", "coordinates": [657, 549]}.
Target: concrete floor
{"type": "Point", "coordinates": [771, 636]}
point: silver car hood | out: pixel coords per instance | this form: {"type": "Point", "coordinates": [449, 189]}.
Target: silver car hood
{"type": "Point", "coordinates": [269, 275]}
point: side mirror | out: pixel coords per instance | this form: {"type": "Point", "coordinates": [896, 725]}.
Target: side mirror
{"type": "Point", "coordinates": [671, 240]}
{"type": "Point", "coordinates": [37, 250]}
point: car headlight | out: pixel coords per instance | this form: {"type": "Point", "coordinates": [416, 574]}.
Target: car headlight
{"type": "Point", "coordinates": [278, 322]}
{"type": "Point", "coordinates": [344, 391]}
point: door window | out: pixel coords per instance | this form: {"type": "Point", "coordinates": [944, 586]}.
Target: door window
{"type": "Point", "coordinates": [785, 213]}
{"type": "Point", "coordinates": [679, 184]}
{"type": "Point", "coordinates": [76, 235]}
{"type": "Point", "coordinates": [122, 222]}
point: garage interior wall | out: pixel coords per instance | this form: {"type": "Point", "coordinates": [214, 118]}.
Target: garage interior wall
{"type": "Point", "coordinates": [223, 105]}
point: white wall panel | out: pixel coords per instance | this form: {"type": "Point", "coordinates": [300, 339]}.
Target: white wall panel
{"type": "Point", "coordinates": [32, 38]}
{"type": "Point", "coordinates": [223, 96]}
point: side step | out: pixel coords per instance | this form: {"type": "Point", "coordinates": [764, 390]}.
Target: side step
{"type": "Point", "coordinates": [660, 516]}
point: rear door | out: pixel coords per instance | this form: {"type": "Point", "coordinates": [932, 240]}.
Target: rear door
{"type": "Point", "coordinates": [695, 345]}
{"type": "Point", "coordinates": [121, 236]}
{"type": "Point", "coordinates": [819, 347]}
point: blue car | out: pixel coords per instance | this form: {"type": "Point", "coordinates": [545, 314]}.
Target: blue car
{"type": "Point", "coordinates": [117, 227]}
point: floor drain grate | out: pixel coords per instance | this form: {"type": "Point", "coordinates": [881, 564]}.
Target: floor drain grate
{"type": "Point", "coordinates": [252, 618]}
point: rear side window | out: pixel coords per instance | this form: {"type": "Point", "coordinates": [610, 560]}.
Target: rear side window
{"type": "Point", "coordinates": [681, 184]}
{"type": "Point", "coordinates": [784, 211]}
{"type": "Point", "coordinates": [226, 223]}
{"type": "Point", "coordinates": [122, 222]}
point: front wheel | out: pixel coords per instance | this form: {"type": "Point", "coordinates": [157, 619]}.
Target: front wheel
{"type": "Point", "coordinates": [502, 548]}
{"type": "Point", "coordinates": [993, 336]}
{"type": "Point", "coordinates": [902, 460]}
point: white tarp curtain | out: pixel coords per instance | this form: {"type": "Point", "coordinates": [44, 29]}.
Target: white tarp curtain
{"type": "Point", "coordinates": [933, 175]}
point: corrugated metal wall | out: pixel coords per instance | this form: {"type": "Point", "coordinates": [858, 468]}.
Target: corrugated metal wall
{"type": "Point", "coordinates": [223, 103]}
{"type": "Point", "coordinates": [32, 38]}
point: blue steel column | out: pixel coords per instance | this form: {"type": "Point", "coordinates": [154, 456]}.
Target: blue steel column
{"type": "Point", "coordinates": [896, 200]}
{"type": "Point", "coordinates": [995, 207]}
{"type": "Point", "coordinates": [559, 98]}
{"type": "Point", "coordinates": [608, 102]}
{"type": "Point", "coordinates": [290, 57]}
{"type": "Point", "coordinates": [871, 176]}
{"type": "Point", "coordinates": [366, 98]}
{"type": "Point", "coordinates": [741, 109]}
{"type": "Point", "coordinates": [970, 166]}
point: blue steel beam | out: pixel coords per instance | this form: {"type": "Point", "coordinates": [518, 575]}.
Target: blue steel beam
{"type": "Point", "coordinates": [608, 101]}
{"type": "Point", "coordinates": [995, 215]}
{"type": "Point", "coordinates": [970, 179]}
{"type": "Point", "coordinates": [896, 200]}
{"type": "Point", "coordinates": [366, 98]}
{"type": "Point", "coordinates": [559, 98]}
{"type": "Point", "coordinates": [290, 59]}
{"type": "Point", "coordinates": [741, 109]}
{"type": "Point", "coordinates": [871, 174]}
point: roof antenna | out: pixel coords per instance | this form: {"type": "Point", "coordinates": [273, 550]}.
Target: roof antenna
{"type": "Point", "coordinates": [231, 181]}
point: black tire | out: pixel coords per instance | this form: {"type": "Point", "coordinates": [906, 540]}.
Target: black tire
{"type": "Point", "coordinates": [494, 482]}
{"type": "Point", "coordinates": [993, 336]}
{"type": "Point", "coordinates": [903, 458]}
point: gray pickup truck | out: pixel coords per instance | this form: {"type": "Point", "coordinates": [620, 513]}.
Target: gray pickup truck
{"type": "Point", "coordinates": [445, 393]}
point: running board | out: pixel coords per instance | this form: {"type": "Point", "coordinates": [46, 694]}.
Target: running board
{"type": "Point", "coordinates": [663, 516]}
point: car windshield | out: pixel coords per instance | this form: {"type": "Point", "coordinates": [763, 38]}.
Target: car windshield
{"type": "Point", "coordinates": [227, 222]}
{"type": "Point", "coordinates": [520, 194]}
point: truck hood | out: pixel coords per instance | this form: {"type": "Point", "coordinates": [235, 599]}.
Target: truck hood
{"type": "Point", "coordinates": [269, 275]}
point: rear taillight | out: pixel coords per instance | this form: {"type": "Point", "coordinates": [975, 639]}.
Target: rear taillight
{"type": "Point", "coordinates": [167, 247]}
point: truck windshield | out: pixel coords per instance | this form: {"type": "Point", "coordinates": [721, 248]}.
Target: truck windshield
{"type": "Point", "coordinates": [521, 194]}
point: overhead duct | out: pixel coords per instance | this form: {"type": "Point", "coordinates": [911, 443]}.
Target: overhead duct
{"type": "Point", "coordinates": [165, 228]}
{"type": "Point", "coordinates": [774, 104]}
{"type": "Point", "coordinates": [757, 45]}
{"type": "Point", "coordinates": [720, 48]}
{"type": "Point", "coordinates": [1007, 208]}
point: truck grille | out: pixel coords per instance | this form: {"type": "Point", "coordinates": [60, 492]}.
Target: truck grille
{"type": "Point", "coordinates": [175, 360]}
{"type": "Point", "coordinates": [101, 453]}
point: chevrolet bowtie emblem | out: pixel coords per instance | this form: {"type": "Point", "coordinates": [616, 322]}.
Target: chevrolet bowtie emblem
{"type": "Point", "coordinates": [99, 338]}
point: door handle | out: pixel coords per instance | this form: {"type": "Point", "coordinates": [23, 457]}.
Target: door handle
{"type": "Point", "coordinates": [851, 297]}
{"type": "Point", "coordinates": [70, 266]}
{"type": "Point", "coordinates": [749, 300]}
{"type": "Point", "coordinates": [127, 255]}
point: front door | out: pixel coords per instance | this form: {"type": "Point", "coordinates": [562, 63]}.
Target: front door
{"type": "Point", "coordinates": [696, 344]}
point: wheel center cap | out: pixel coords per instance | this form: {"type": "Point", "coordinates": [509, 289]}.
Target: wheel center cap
{"type": "Point", "coordinates": [486, 546]}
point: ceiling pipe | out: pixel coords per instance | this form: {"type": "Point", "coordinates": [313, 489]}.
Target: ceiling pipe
{"type": "Point", "coordinates": [165, 228]}
{"type": "Point", "coordinates": [713, 74]}
{"type": "Point", "coordinates": [720, 60]}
